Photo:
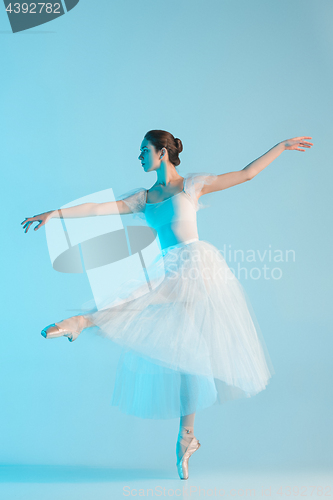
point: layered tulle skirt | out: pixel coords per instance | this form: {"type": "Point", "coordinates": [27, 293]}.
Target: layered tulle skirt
{"type": "Point", "coordinates": [189, 342]}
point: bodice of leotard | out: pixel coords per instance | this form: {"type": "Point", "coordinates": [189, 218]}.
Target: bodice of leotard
{"type": "Point", "coordinates": [175, 218]}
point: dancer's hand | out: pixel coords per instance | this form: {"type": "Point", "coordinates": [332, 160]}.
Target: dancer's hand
{"type": "Point", "coordinates": [296, 142]}
{"type": "Point", "coordinates": [41, 218]}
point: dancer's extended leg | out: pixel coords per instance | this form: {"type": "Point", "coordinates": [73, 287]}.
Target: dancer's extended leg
{"type": "Point", "coordinates": [70, 328]}
{"type": "Point", "coordinates": [76, 323]}
{"type": "Point", "coordinates": [87, 323]}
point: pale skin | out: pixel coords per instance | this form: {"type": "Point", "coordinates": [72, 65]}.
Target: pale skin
{"type": "Point", "coordinates": [168, 183]}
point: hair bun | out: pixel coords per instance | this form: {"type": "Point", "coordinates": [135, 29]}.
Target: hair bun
{"type": "Point", "coordinates": [162, 139]}
{"type": "Point", "coordinates": [179, 144]}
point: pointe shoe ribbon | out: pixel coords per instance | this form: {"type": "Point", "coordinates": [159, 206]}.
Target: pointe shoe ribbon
{"type": "Point", "coordinates": [54, 330]}
{"type": "Point", "coordinates": [182, 464]}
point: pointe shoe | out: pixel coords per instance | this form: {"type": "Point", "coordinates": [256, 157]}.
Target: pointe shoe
{"type": "Point", "coordinates": [54, 330]}
{"type": "Point", "coordinates": [182, 464]}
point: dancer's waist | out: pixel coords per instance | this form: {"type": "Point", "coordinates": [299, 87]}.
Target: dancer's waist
{"type": "Point", "coordinates": [179, 244]}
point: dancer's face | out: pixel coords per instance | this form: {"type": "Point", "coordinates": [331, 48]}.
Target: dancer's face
{"type": "Point", "coordinates": [149, 157]}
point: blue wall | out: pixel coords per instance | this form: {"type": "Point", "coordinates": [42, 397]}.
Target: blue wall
{"type": "Point", "coordinates": [231, 79]}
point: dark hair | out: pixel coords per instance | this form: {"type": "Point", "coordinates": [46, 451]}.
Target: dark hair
{"type": "Point", "coordinates": [162, 139]}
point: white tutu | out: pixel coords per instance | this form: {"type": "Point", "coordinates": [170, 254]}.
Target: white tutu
{"type": "Point", "coordinates": [190, 342]}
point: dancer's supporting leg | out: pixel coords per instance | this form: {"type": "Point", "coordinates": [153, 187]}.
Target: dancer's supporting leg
{"type": "Point", "coordinates": [189, 393]}
{"type": "Point", "coordinates": [184, 437]}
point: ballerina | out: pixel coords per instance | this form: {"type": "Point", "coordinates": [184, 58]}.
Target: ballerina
{"type": "Point", "coordinates": [193, 340]}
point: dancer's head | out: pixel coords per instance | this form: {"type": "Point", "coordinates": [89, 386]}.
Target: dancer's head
{"type": "Point", "coordinates": [160, 147]}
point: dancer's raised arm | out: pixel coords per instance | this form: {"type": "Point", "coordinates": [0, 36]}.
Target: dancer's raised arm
{"type": "Point", "coordinates": [230, 179]}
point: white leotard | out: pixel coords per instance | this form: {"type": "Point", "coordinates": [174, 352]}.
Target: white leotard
{"type": "Point", "coordinates": [174, 219]}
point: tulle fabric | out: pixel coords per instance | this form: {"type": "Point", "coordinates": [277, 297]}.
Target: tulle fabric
{"type": "Point", "coordinates": [136, 198]}
{"type": "Point", "coordinates": [194, 182]}
{"type": "Point", "coordinates": [149, 390]}
{"type": "Point", "coordinates": [190, 342]}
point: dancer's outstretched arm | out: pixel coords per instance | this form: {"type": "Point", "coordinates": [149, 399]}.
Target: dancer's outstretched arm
{"type": "Point", "coordinates": [83, 210]}
{"type": "Point", "coordinates": [230, 179]}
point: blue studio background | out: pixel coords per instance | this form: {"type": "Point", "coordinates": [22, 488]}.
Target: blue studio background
{"type": "Point", "coordinates": [230, 79]}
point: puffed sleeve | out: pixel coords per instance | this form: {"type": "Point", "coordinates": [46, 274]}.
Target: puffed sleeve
{"type": "Point", "coordinates": [194, 182]}
{"type": "Point", "coordinates": [136, 201]}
